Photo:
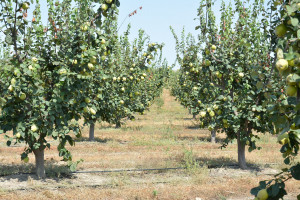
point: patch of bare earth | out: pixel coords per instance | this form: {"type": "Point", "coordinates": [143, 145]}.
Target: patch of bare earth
{"type": "Point", "coordinates": [165, 137]}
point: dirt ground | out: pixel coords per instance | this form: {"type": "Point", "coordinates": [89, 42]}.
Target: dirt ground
{"type": "Point", "coordinates": [166, 137]}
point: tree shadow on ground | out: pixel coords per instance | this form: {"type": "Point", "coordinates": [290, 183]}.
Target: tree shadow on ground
{"type": "Point", "coordinates": [96, 139]}
{"type": "Point", "coordinates": [100, 140]}
{"type": "Point", "coordinates": [224, 162]}
{"type": "Point", "coordinates": [24, 172]}
{"type": "Point", "coordinates": [201, 138]}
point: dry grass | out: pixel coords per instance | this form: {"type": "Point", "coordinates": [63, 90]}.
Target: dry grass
{"type": "Point", "coordinates": [164, 137]}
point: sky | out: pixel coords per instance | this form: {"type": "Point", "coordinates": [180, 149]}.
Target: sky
{"type": "Point", "coordinates": [156, 17]}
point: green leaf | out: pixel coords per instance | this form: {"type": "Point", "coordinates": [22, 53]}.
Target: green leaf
{"type": "Point", "coordinates": [295, 171]}
{"type": "Point", "coordinates": [275, 189]}
{"type": "Point", "coordinates": [287, 161]}
{"type": "Point", "coordinates": [259, 85]}
{"type": "Point", "coordinates": [295, 21]}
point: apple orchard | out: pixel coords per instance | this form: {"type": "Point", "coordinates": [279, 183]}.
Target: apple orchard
{"type": "Point", "coordinates": [239, 76]}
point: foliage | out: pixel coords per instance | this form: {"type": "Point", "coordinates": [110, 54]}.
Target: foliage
{"type": "Point", "coordinates": [226, 76]}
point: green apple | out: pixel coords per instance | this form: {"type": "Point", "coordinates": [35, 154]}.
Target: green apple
{"type": "Point", "coordinates": [13, 81]}
{"type": "Point", "coordinates": [108, 1]}
{"type": "Point", "coordinates": [34, 128]}
{"type": "Point", "coordinates": [291, 90]}
{"type": "Point", "coordinates": [30, 67]}
{"type": "Point", "coordinates": [26, 160]}
{"type": "Point", "coordinates": [263, 194]}
{"type": "Point", "coordinates": [131, 77]}
{"type": "Point", "coordinates": [91, 66]}
{"type": "Point", "coordinates": [212, 113]}
{"type": "Point", "coordinates": [34, 59]}
{"type": "Point", "coordinates": [142, 78]}
{"type": "Point", "coordinates": [87, 100]}
{"type": "Point", "coordinates": [84, 27]}
{"type": "Point", "coordinates": [289, 81]}
{"type": "Point", "coordinates": [191, 64]}
{"type": "Point", "coordinates": [241, 74]}
{"type": "Point", "coordinates": [282, 64]}
{"type": "Point", "coordinates": [280, 30]}
{"type": "Point", "coordinates": [124, 79]}
{"type": "Point", "coordinates": [93, 60]}
{"type": "Point", "coordinates": [25, 6]}
{"type": "Point", "coordinates": [199, 102]}
{"type": "Point", "coordinates": [213, 47]}
{"type": "Point", "coordinates": [202, 113]}
{"type": "Point", "coordinates": [207, 52]}
{"type": "Point", "coordinates": [195, 88]}
{"type": "Point", "coordinates": [122, 89]}
{"type": "Point", "coordinates": [74, 62]}
{"type": "Point", "coordinates": [131, 69]}
{"type": "Point", "coordinates": [215, 107]}
{"type": "Point", "coordinates": [92, 111]}
{"type": "Point", "coordinates": [218, 74]}
{"type": "Point", "coordinates": [62, 71]}
{"type": "Point", "coordinates": [114, 78]}
{"type": "Point", "coordinates": [207, 63]}
{"type": "Point", "coordinates": [11, 88]}
{"type": "Point", "coordinates": [122, 102]}
{"type": "Point", "coordinates": [104, 7]}
{"type": "Point", "coordinates": [144, 74]}
{"type": "Point", "coordinates": [22, 96]}
{"type": "Point", "coordinates": [86, 109]}
{"type": "Point", "coordinates": [103, 41]}
{"type": "Point", "coordinates": [18, 135]}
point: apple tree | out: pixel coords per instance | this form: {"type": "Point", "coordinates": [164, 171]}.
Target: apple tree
{"type": "Point", "coordinates": [234, 81]}
{"type": "Point", "coordinates": [285, 111]}
{"type": "Point", "coordinates": [41, 83]}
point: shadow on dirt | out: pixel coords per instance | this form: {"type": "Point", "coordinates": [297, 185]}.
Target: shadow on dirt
{"type": "Point", "coordinates": [96, 139]}
{"type": "Point", "coordinates": [223, 162]}
{"type": "Point", "coordinates": [24, 172]}
{"type": "Point", "coordinates": [200, 138]}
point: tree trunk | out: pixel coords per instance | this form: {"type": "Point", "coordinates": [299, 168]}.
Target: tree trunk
{"type": "Point", "coordinates": [39, 163]}
{"type": "Point", "coordinates": [190, 111]}
{"type": "Point", "coordinates": [118, 124]}
{"type": "Point", "coordinates": [92, 132]}
{"type": "Point", "coordinates": [241, 152]}
{"type": "Point", "coordinates": [194, 116]}
{"type": "Point", "coordinates": [213, 136]}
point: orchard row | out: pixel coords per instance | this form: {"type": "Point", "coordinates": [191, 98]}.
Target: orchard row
{"type": "Point", "coordinates": [241, 77]}
{"type": "Point", "coordinates": [74, 67]}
